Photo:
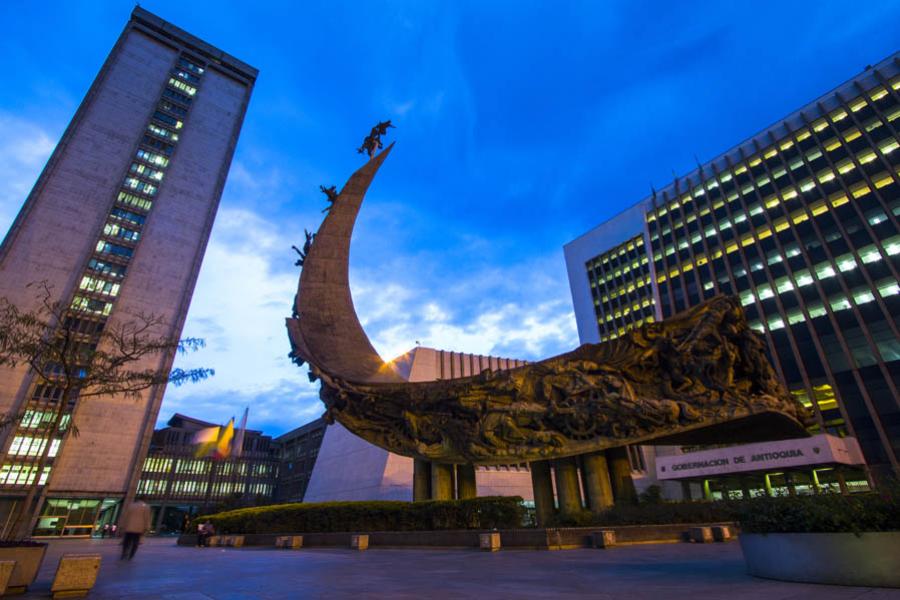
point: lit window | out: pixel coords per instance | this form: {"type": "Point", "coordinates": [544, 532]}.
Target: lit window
{"type": "Point", "coordinates": [892, 245]}
{"type": "Point", "coordinates": [746, 298]}
{"type": "Point", "coordinates": [162, 132]}
{"type": "Point", "coordinates": [864, 296]}
{"type": "Point", "coordinates": [866, 157]}
{"type": "Point", "coordinates": [783, 284]}
{"type": "Point", "coordinates": [875, 217]}
{"type": "Point", "coordinates": [775, 323]}
{"type": "Point", "coordinates": [824, 271]}
{"type": "Point", "coordinates": [795, 316]}
{"type": "Point", "coordinates": [178, 84]}
{"type": "Point", "coordinates": [870, 254]}
{"type": "Point", "coordinates": [146, 171]}
{"type": "Point", "coordinates": [132, 200]}
{"type": "Point", "coordinates": [816, 310]}
{"type": "Point", "coordinates": [888, 146]}
{"type": "Point", "coordinates": [152, 158]}
{"type": "Point", "coordinates": [839, 303]}
{"type": "Point", "coordinates": [765, 292]}
{"type": "Point", "coordinates": [845, 263]}
{"type": "Point", "coordinates": [888, 288]}
{"type": "Point", "coordinates": [141, 186]}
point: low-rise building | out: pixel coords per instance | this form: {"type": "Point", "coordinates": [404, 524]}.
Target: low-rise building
{"type": "Point", "coordinates": [297, 452]}
{"type": "Point", "coordinates": [178, 485]}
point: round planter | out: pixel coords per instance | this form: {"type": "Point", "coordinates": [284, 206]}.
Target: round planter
{"type": "Point", "coordinates": [870, 559]}
{"type": "Point", "coordinates": [28, 562]}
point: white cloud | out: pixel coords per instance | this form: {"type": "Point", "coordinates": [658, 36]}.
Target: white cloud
{"type": "Point", "coordinates": [245, 292]}
{"type": "Point", "coordinates": [25, 147]}
{"type": "Point", "coordinates": [239, 307]}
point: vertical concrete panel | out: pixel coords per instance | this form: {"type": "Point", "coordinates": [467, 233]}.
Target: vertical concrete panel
{"type": "Point", "coordinates": [597, 485]}
{"type": "Point", "coordinates": [465, 482]}
{"type": "Point", "coordinates": [568, 491]}
{"type": "Point", "coordinates": [542, 486]}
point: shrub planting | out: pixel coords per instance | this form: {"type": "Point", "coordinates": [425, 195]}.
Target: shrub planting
{"type": "Point", "coordinates": [500, 512]}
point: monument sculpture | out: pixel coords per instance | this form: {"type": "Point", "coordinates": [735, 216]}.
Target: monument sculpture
{"type": "Point", "coordinates": [310, 237]}
{"type": "Point", "coordinates": [701, 377]}
{"type": "Point", "coordinates": [331, 194]}
{"type": "Point", "coordinates": [372, 142]}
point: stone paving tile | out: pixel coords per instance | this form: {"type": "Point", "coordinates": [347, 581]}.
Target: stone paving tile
{"type": "Point", "coordinates": [162, 570]}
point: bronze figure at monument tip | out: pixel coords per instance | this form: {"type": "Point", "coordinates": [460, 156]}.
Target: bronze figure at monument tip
{"type": "Point", "coordinates": [700, 377]}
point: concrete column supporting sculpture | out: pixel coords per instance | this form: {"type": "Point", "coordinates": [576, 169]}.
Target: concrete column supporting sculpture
{"type": "Point", "coordinates": [442, 482]}
{"type": "Point", "coordinates": [568, 491]}
{"type": "Point", "coordinates": [620, 475]}
{"type": "Point", "coordinates": [465, 482]}
{"type": "Point", "coordinates": [597, 486]}
{"type": "Point", "coordinates": [542, 485]}
{"type": "Point", "coordinates": [421, 480]}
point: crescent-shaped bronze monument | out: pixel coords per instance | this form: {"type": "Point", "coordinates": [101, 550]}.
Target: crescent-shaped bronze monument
{"type": "Point", "coordinates": [699, 377]}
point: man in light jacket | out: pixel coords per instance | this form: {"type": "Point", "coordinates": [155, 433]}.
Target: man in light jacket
{"type": "Point", "coordinates": [135, 523]}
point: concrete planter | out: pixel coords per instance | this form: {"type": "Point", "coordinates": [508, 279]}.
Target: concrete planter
{"type": "Point", "coordinates": [28, 561]}
{"type": "Point", "coordinates": [872, 559]}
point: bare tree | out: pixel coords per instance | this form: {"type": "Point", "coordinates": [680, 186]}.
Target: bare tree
{"type": "Point", "coordinates": [78, 362]}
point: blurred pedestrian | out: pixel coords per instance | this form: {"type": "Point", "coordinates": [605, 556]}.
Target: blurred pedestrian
{"type": "Point", "coordinates": [205, 531]}
{"type": "Point", "coordinates": [135, 523]}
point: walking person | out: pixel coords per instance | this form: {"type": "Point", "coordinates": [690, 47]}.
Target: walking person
{"type": "Point", "coordinates": [204, 532]}
{"type": "Point", "coordinates": [135, 524]}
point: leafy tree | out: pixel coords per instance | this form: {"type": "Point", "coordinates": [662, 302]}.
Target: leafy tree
{"type": "Point", "coordinates": [78, 362]}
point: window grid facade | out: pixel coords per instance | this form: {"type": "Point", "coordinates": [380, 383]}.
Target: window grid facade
{"type": "Point", "coordinates": [104, 272]}
{"type": "Point", "coordinates": [801, 223]}
{"type": "Point", "coordinates": [621, 288]}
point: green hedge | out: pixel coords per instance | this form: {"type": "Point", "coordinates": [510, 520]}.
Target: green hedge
{"type": "Point", "coordinates": [825, 513]}
{"type": "Point", "coordinates": [662, 513]}
{"type": "Point", "coordinates": [501, 512]}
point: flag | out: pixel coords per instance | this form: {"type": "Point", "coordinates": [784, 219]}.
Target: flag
{"type": "Point", "coordinates": [223, 446]}
{"type": "Point", "coordinates": [237, 448]}
{"type": "Point", "coordinates": [206, 440]}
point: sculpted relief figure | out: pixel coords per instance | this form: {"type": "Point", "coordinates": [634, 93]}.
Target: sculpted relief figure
{"type": "Point", "coordinates": [372, 142]}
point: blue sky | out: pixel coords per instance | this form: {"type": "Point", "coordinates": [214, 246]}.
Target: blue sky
{"type": "Point", "coordinates": [521, 125]}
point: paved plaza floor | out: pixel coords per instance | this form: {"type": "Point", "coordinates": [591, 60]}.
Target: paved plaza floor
{"type": "Point", "coordinates": [658, 572]}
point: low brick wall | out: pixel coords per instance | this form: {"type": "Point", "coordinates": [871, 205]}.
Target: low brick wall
{"type": "Point", "coordinates": [543, 539]}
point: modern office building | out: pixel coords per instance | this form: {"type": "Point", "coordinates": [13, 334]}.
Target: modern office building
{"type": "Point", "coordinates": [297, 450]}
{"type": "Point", "coordinates": [801, 222]}
{"type": "Point", "coordinates": [350, 468]}
{"type": "Point", "coordinates": [117, 225]}
{"type": "Point", "coordinates": [176, 483]}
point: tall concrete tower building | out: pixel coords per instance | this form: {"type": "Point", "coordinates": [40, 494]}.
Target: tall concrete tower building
{"type": "Point", "coordinates": [117, 225]}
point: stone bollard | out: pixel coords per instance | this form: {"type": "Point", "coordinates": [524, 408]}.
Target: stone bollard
{"type": "Point", "coordinates": [605, 538]}
{"type": "Point", "coordinates": [489, 542]}
{"type": "Point", "coordinates": [293, 542]}
{"type": "Point", "coordinates": [235, 541]}
{"type": "Point", "coordinates": [214, 540]}
{"type": "Point", "coordinates": [721, 533]}
{"type": "Point", "coordinates": [359, 541]}
{"type": "Point", "coordinates": [6, 571]}
{"type": "Point", "coordinates": [75, 575]}
{"type": "Point", "coordinates": [700, 535]}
